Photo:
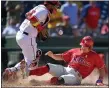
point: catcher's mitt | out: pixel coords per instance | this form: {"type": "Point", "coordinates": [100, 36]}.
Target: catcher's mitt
{"type": "Point", "coordinates": [43, 35]}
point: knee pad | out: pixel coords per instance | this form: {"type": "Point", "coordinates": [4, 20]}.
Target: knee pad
{"type": "Point", "coordinates": [61, 80]}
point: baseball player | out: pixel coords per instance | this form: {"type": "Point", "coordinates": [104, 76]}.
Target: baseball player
{"type": "Point", "coordinates": [36, 20]}
{"type": "Point", "coordinates": [80, 63]}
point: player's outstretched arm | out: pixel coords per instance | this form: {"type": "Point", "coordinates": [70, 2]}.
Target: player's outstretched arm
{"type": "Point", "coordinates": [54, 56]}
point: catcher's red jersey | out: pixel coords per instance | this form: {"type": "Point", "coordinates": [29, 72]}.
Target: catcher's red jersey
{"type": "Point", "coordinates": [83, 63]}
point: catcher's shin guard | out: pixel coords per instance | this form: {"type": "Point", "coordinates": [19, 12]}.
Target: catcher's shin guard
{"type": "Point", "coordinates": [35, 62]}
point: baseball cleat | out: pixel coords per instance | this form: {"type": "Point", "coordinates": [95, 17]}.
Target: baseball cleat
{"type": "Point", "coordinates": [54, 81]}
{"type": "Point", "coordinates": [9, 74]}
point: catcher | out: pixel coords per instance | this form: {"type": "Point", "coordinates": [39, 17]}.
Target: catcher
{"type": "Point", "coordinates": [31, 27]}
{"type": "Point", "coordinates": [80, 63]}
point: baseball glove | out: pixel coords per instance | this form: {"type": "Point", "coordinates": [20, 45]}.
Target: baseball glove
{"type": "Point", "coordinates": [43, 35]}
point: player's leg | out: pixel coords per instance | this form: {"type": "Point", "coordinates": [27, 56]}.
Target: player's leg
{"type": "Point", "coordinates": [11, 72]}
{"type": "Point", "coordinates": [21, 64]}
{"type": "Point", "coordinates": [71, 77]}
{"type": "Point", "coordinates": [55, 70]}
{"type": "Point", "coordinates": [29, 48]}
{"type": "Point", "coordinates": [68, 79]}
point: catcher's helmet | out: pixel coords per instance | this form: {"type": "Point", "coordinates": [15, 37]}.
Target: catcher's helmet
{"type": "Point", "coordinates": [54, 3]}
{"type": "Point", "coordinates": [87, 41]}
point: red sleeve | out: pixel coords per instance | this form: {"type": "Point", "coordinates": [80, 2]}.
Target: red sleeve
{"type": "Point", "coordinates": [67, 55]}
{"type": "Point", "coordinates": [99, 62]}
{"type": "Point", "coordinates": [34, 19]}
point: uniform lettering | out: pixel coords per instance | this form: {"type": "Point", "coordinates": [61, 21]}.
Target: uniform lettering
{"type": "Point", "coordinates": [80, 60]}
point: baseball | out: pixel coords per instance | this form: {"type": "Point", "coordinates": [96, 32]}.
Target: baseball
{"type": "Point", "coordinates": [60, 32]}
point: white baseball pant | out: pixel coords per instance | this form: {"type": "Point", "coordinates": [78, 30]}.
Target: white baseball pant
{"type": "Point", "coordinates": [70, 76]}
{"type": "Point", "coordinates": [28, 45]}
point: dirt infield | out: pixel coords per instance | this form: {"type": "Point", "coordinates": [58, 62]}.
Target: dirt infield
{"type": "Point", "coordinates": [40, 82]}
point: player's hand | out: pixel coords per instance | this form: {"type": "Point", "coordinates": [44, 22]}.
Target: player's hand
{"type": "Point", "coordinates": [49, 53]}
{"type": "Point", "coordinates": [99, 82]}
